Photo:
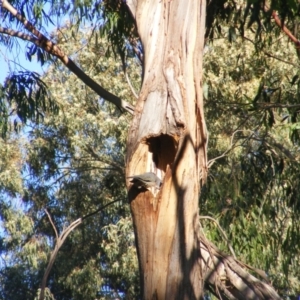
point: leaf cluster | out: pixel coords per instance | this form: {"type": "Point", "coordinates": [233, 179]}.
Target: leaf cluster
{"type": "Point", "coordinates": [25, 97]}
{"type": "Point", "coordinates": [252, 110]}
{"type": "Point", "coordinates": [73, 163]}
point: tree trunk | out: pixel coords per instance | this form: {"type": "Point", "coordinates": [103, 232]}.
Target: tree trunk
{"type": "Point", "coordinates": [168, 136]}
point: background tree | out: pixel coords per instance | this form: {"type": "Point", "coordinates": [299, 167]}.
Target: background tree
{"type": "Point", "coordinates": [73, 165]}
{"type": "Point", "coordinates": [262, 151]}
{"type": "Point", "coordinates": [248, 188]}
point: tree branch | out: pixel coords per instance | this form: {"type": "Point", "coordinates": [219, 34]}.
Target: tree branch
{"type": "Point", "coordinates": [213, 160]}
{"type": "Point", "coordinates": [271, 55]}
{"type": "Point", "coordinates": [60, 240]}
{"type": "Point", "coordinates": [44, 43]}
{"type": "Point", "coordinates": [282, 26]}
{"type": "Point", "coordinates": [280, 59]}
{"type": "Point", "coordinates": [21, 35]}
{"type": "Point", "coordinates": [222, 231]}
{"type": "Point", "coordinates": [51, 221]}
{"type": "Point", "coordinates": [99, 209]}
{"type": "Point", "coordinates": [131, 87]}
{"type": "Point", "coordinates": [285, 29]}
{"type": "Point", "coordinates": [227, 277]}
{"type": "Point", "coordinates": [276, 105]}
{"type": "Point", "coordinates": [94, 154]}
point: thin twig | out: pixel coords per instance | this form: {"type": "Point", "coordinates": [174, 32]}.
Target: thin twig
{"type": "Point", "coordinates": [131, 87]}
{"type": "Point", "coordinates": [280, 59]}
{"type": "Point", "coordinates": [272, 55]}
{"type": "Point", "coordinates": [223, 233]}
{"type": "Point", "coordinates": [212, 161]}
{"type": "Point", "coordinates": [94, 154]}
{"type": "Point", "coordinates": [276, 105]}
{"type": "Point", "coordinates": [99, 209]}
{"type": "Point", "coordinates": [51, 221]}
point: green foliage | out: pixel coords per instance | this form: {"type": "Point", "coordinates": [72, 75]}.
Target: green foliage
{"type": "Point", "coordinates": [252, 112]}
{"type": "Point", "coordinates": [28, 95]}
{"type": "Point", "coordinates": [254, 14]}
{"type": "Point", "coordinates": [11, 182]}
{"type": "Point", "coordinates": [119, 27]}
{"type": "Point", "coordinates": [73, 164]}
{"type": "Point", "coordinates": [71, 160]}
{"type": "Point", "coordinates": [121, 256]}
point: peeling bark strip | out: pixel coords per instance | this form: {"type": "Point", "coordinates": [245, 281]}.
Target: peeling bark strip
{"type": "Point", "coordinates": [227, 278]}
{"type": "Point", "coordinates": [171, 101]}
{"type": "Point", "coordinates": [168, 136]}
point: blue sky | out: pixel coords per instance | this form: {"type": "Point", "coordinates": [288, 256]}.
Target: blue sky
{"type": "Point", "coordinates": [7, 57]}
{"type": "Point", "coordinates": [14, 60]}
{"type": "Point", "coordinates": [17, 54]}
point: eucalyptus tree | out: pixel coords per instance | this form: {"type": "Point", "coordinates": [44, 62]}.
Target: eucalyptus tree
{"type": "Point", "coordinates": [168, 134]}
{"type": "Point", "coordinates": [254, 158]}
{"type": "Point", "coordinates": [72, 164]}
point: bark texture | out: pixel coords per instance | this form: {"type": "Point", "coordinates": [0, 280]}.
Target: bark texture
{"type": "Point", "coordinates": [228, 278]}
{"type": "Point", "coordinates": [168, 136]}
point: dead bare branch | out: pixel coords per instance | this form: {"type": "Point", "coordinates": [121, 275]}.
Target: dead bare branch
{"type": "Point", "coordinates": [227, 276]}
{"type": "Point", "coordinates": [131, 87]}
{"type": "Point", "coordinates": [51, 221]}
{"type": "Point", "coordinates": [223, 233]}
{"type": "Point", "coordinates": [60, 240]}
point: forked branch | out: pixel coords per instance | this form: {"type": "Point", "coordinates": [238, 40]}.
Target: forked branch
{"type": "Point", "coordinates": [60, 240]}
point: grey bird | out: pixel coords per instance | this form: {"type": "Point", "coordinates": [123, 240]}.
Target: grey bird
{"type": "Point", "coordinates": [146, 180]}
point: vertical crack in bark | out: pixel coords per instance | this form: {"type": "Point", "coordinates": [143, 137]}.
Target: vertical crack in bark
{"type": "Point", "coordinates": [166, 138]}
{"type": "Point", "coordinates": [175, 91]}
{"type": "Point", "coordinates": [201, 130]}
